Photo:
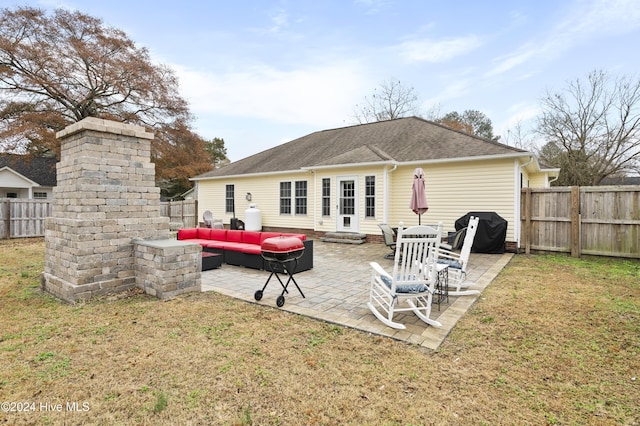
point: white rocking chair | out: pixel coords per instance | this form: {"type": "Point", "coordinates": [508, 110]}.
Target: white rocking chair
{"type": "Point", "coordinates": [458, 262]}
{"type": "Point", "coordinates": [411, 285]}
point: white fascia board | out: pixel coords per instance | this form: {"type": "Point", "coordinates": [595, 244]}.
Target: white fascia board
{"type": "Point", "coordinates": [350, 165]}
{"type": "Point", "coordinates": [524, 155]}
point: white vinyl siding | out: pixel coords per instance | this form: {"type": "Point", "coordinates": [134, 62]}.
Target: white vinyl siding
{"type": "Point", "coordinates": [538, 180]}
{"type": "Point", "coordinates": [264, 194]}
{"type": "Point", "coordinates": [453, 190]}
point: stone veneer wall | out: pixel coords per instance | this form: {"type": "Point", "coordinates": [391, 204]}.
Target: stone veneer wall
{"type": "Point", "coordinates": [168, 268]}
{"type": "Point", "coordinates": [105, 197]}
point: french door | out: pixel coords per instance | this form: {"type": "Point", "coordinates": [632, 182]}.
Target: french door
{"type": "Point", "coordinates": [347, 204]}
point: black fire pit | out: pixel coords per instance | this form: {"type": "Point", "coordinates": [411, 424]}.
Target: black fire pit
{"type": "Point", "coordinates": [282, 253]}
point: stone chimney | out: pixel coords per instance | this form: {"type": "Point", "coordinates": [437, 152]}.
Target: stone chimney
{"type": "Point", "coordinates": [105, 199]}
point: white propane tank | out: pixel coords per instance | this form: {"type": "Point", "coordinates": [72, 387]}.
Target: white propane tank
{"type": "Point", "coordinates": [252, 219]}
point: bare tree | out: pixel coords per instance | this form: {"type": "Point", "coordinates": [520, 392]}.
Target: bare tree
{"type": "Point", "coordinates": [592, 128]}
{"type": "Point", "coordinates": [56, 70]}
{"type": "Point", "coordinates": [390, 101]}
{"type": "Point", "coordinates": [518, 137]}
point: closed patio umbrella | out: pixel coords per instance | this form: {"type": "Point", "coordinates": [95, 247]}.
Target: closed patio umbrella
{"type": "Point", "coordinates": [418, 195]}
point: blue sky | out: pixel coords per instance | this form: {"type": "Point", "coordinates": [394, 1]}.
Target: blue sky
{"type": "Point", "coordinates": [260, 73]}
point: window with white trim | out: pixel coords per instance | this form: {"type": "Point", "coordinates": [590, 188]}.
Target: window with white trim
{"type": "Point", "coordinates": [229, 199]}
{"type": "Point", "coordinates": [326, 197]}
{"type": "Point", "coordinates": [370, 196]}
{"type": "Point", "coordinates": [301, 197]}
{"type": "Point", "coordinates": [285, 197]}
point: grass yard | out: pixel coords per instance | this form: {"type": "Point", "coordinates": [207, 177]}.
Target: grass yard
{"type": "Point", "coordinates": [553, 340]}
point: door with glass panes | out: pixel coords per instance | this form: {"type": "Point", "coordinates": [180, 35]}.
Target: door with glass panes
{"type": "Point", "coordinates": [347, 204]}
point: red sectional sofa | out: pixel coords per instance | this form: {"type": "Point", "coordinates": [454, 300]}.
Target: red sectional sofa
{"type": "Point", "coordinates": [243, 248]}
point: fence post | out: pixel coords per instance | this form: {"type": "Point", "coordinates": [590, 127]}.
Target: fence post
{"type": "Point", "coordinates": [576, 244]}
{"type": "Point", "coordinates": [195, 212]}
{"type": "Point", "coordinates": [9, 230]}
{"type": "Point", "coordinates": [527, 221]}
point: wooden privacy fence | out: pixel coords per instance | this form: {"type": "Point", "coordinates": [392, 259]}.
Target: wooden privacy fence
{"type": "Point", "coordinates": [185, 212]}
{"type": "Point", "coordinates": [20, 217]}
{"type": "Point", "coordinates": [595, 220]}
{"type": "Point", "coordinates": [23, 217]}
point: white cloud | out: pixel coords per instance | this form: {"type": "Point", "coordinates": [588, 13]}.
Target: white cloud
{"type": "Point", "coordinates": [312, 95]}
{"type": "Point", "coordinates": [456, 88]}
{"type": "Point", "coordinates": [586, 20]}
{"type": "Point", "coordinates": [373, 6]}
{"type": "Point", "coordinates": [522, 112]}
{"type": "Point", "coordinates": [506, 63]}
{"type": "Point", "coordinates": [434, 51]}
{"type": "Point", "coordinates": [280, 20]}
{"type": "Point", "coordinates": [598, 17]}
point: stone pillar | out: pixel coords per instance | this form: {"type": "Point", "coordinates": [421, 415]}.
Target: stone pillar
{"type": "Point", "coordinates": [105, 197]}
{"type": "Point", "coordinates": [168, 268]}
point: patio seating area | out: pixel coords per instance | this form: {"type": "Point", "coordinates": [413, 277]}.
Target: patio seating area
{"type": "Point", "coordinates": [337, 290]}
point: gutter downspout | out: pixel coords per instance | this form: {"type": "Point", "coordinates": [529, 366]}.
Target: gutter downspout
{"type": "Point", "coordinates": [385, 206]}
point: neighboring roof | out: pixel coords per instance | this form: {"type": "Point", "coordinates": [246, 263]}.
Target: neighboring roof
{"type": "Point", "coordinates": [39, 169]}
{"type": "Point", "coordinates": [402, 140]}
{"type": "Point", "coordinates": [623, 180]}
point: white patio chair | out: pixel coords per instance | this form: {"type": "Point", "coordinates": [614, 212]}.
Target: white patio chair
{"type": "Point", "coordinates": [411, 285]}
{"type": "Point", "coordinates": [210, 222]}
{"type": "Point", "coordinates": [458, 262]}
{"type": "Point", "coordinates": [207, 218]}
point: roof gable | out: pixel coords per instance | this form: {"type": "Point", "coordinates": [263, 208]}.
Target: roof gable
{"type": "Point", "coordinates": [361, 154]}
{"type": "Point", "coordinates": [408, 139]}
{"type": "Point", "coordinates": [40, 170]}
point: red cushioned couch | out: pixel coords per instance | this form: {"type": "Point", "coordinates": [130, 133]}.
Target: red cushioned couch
{"type": "Point", "coordinates": [243, 248]}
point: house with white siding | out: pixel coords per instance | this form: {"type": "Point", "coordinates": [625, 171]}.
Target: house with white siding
{"type": "Point", "coordinates": [23, 177]}
{"type": "Point", "coordinates": [351, 179]}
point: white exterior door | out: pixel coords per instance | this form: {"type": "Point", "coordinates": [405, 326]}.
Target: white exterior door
{"type": "Point", "coordinates": [347, 204]}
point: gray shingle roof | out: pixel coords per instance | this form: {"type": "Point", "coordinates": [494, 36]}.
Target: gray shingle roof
{"type": "Point", "coordinates": [401, 140]}
{"type": "Point", "coordinates": [40, 170]}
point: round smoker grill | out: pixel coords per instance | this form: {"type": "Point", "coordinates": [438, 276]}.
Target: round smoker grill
{"type": "Point", "coordinates": [282, 253]}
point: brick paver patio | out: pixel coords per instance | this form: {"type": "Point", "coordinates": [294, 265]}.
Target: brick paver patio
{"type": "Point", "coordinates": [336, 290]}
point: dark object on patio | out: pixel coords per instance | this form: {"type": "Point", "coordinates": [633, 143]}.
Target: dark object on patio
{"type": "Point", "coordinates": [282, 253]}
{"type": "Point", "coordinates": [491, 234]}
{"type": "Point", "coordinates": [389, 239]}
{"type": "Point", "coordinates": [456, 239]}
{"type": "Point", "coordinates": [236, 224]}
{"type": "Point", "coordinates": [211, 260]}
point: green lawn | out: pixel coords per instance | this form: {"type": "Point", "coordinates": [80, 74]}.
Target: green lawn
{"type": "Point", "coordinates": [553, 340]}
